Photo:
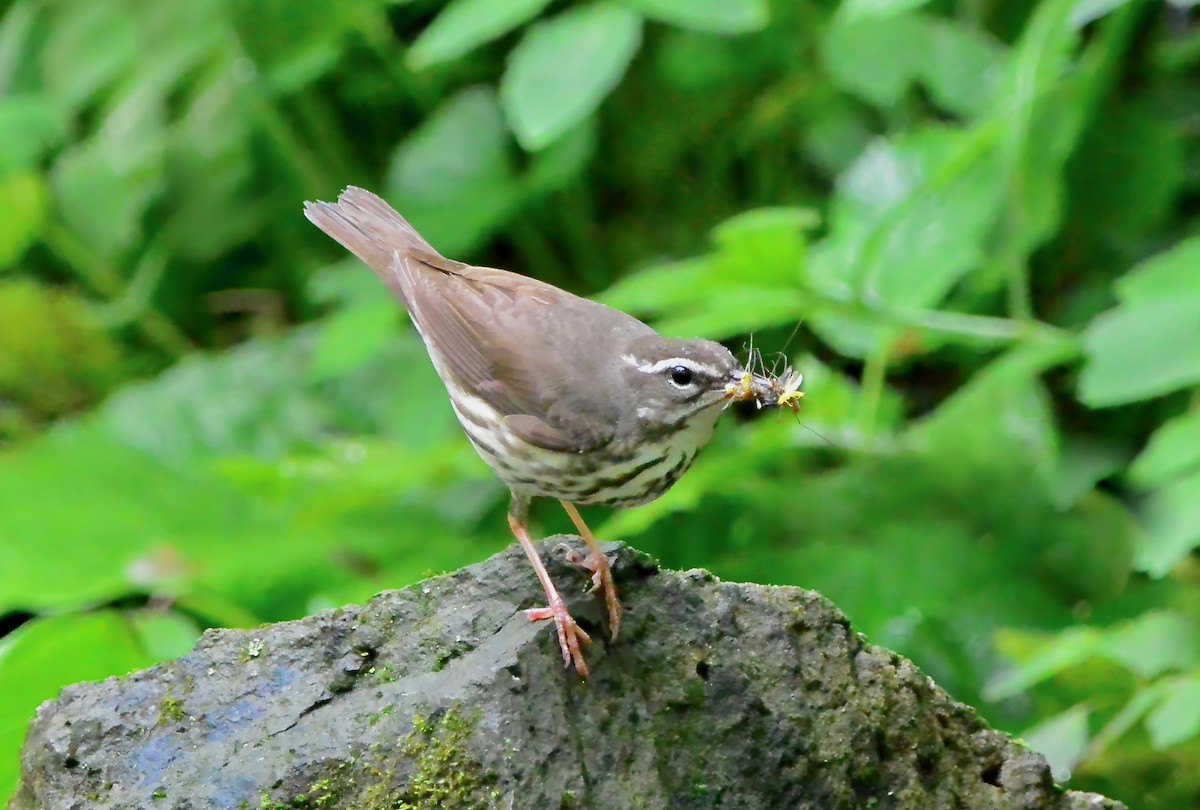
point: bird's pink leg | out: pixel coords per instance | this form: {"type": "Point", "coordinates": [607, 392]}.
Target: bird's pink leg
{"type": "Point", "coordinates": [601, 570]}
{"type": "Point", "coordinates": [570, 634]}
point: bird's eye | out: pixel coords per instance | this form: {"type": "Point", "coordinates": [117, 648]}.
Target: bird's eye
{"type": "Point", "coordinates": [681, 376]}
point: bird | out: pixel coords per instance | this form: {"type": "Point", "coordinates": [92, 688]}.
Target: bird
{"type": "Point", "coordinates": [562, 397]}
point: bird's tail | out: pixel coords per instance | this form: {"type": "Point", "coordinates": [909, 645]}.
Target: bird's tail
{"type": "Point", "coordinates": [369, 228]}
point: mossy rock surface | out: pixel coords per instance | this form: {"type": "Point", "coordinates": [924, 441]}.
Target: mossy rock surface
{"type": "Point", "coordinates": [716, 695]}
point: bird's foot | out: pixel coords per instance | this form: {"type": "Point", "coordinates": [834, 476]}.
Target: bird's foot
{"type": "Point", "coordinates": [599, 565]}
{"type": "Point", "coordinates": [570, 634]}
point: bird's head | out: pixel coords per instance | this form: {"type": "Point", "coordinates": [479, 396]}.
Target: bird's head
{"type": "Point", "coordinates": [674, 380]}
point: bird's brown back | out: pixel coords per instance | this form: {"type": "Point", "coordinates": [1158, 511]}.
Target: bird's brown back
{"type": "Point", "coordinates": [500, 334]}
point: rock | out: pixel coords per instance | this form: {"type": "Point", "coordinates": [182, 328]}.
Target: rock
{"type": "Point", "coordinates": [442, 695]}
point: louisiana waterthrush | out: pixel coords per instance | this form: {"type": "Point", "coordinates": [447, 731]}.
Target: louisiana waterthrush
{"type": "Point", "coordinates": [562, 397]}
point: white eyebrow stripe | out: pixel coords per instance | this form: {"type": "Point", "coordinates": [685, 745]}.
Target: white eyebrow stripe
{"type": "Point", "coordinates": [671, 362]}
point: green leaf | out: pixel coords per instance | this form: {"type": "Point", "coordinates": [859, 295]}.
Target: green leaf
{"type": "Point", "coordinates": [1139, 352]}
{"type": "Point", "coordinates": [935, 237]}
{"type": "Point", "coordinates": [354, 335]}
{"type": "Point", "coordinates": [101, 204]}
{"type": "Point", "coordinates": [742, 310]}
{"type": "Point", "coordinates": [214, 160]}
{"type": "Point", "coordinates": [882, 9]}
{"type": "Point", "coordinates": [163, 636]}
{"type": "Point", "coordinates": [879, 58]}
{"type": "Point", "coordinates": [30, 125]}
{"type": "Point", "coordinates": [1155, 642]}
{"type": "Point", "coordinates": [1174, 449]}
{"type": "Point", "coordinates": [1061, 739]}
{"type": "Point", "coordinates": [463, 25]}
{"type": "Point", "coordinates": [453, 179]}
{"type": "Point", "coordinates": [1177, 718]}
{"type": "Point", "coordinates": [145, 527]}
{"type": "Point", "coordinates": [665, 287]}
{"type": "Point", "coordinates": [908, 223]}
{"type": "Point", "coordinates": [1131, 713]}
{"type": "Point", "coordinates": [1167, 276]}
{"type": "Point", "coordinates": [896, 202]}
{"type": "Point", "coordinates": [564, 67]}
{"type": "Point", "coordinates": [1070, 648]}
{"type": "Point", "coordinates": [1002, 417]}
{"type": "Point", "coordinates": [680, 298]}
{"type": "Point", "coordinates": [710, 16]}
{"type": "Point", "coordinates": [87, 48]}
{"type": "Point", "coordinates": [125, 529]}
{"type": "Point", "coordinates": [23, 198]}
{"type": "Point", "coordinates": [43, 656]}
{"type": "Point", "coordinates": [749, 283]}
{"type": "Point", "coordinates": [562, 161]}
{"type": "Point", "coordinates": [345, 283]}
{"type": "Point", "coordinates": [140, 112]}
{"type": "Point", "coordinates": [1172, 518]}
{"type": "Point", "coordinates": [1042, 115]}
{"type": "Point", "coordinates": [251, 400]}
{"type": "Point", "coordinates": [16, 30]}
{"type": "Point", "coordinates": [176, 39]}
{"type": "Point", "coordinates": [874, 58]}
{"type": "Point", "coordinates": [1082, 463]}
{"type": "Point", "coordinates": [1150, 345]}
{"type": "Point", "coordinates": [764, 246]}
{"type": "Point", "coordinates": [837, 134]}
{"type": "Point", "coordinates": [259, 401]}
{"type": "Point", "coordinates": [960, 66]}
{"type": "Point", "coordinates": [1087, 11]}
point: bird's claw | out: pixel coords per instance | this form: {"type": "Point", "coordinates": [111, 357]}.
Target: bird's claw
{"type": "Point", "coordinates": [570, 554]}
{"type": "Point", "coordinates": [599, 571]}
{"type": "Point", "coordinates": [600, 566]}
{"type": "Point", "coordinates": [570, 634]}
{"type": "Point", "coordinates": [586, 562]}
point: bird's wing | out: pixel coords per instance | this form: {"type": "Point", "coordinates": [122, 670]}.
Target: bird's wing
{"type": "Point", "coordinates": [497, 333]}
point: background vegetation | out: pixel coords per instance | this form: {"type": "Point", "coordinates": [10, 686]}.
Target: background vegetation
{"type": "Point", "coordinates": [984, 213]}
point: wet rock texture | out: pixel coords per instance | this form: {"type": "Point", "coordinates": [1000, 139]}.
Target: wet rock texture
{"type": "Point", "coordinates": [716, 695]}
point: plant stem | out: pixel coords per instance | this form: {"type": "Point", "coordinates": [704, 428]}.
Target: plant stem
{"type": "Point", "coordinates": [871, 396]}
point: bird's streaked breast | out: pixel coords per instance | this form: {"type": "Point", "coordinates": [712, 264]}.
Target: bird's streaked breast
{"type": "Point", "coordinates": [635, 477]}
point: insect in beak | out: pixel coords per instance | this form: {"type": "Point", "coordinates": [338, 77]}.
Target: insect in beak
{"type": "Point", "coordinates": [786, 388]}
{"type": "Point", "coordinates": [742, 388]}
{"type": "Point", "coordinates": [748, 385]}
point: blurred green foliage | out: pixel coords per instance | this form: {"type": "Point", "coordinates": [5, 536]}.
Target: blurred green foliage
{"type": "Point", "coordinates": [985, 215]}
